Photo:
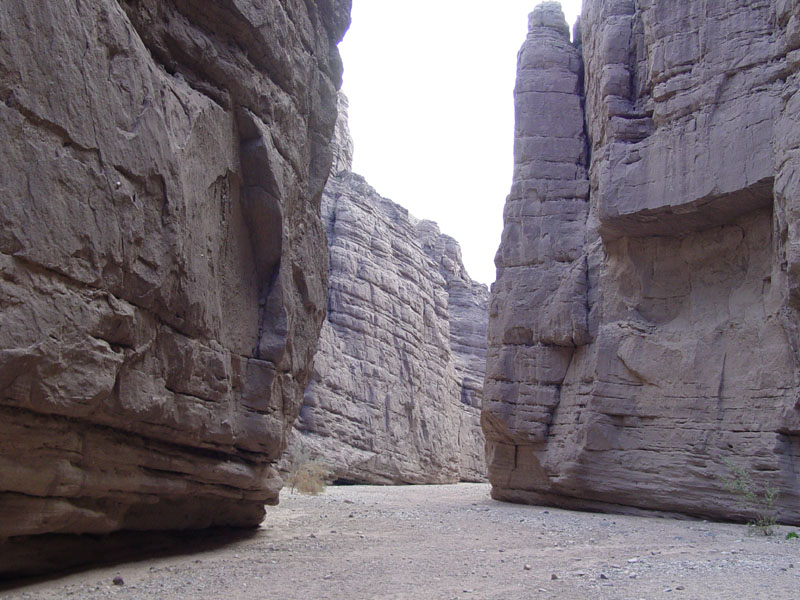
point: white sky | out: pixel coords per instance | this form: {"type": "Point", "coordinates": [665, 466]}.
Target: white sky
{"type": "Point", "coordinates": [430, 84]}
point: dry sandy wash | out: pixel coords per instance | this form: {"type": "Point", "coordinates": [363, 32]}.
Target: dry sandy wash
{"type": "Point", "coordinates": [443, 542]}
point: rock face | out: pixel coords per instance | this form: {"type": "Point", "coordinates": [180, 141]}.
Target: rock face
{"type": "Point", "coordinates": [643, 330]}
{"type": "Point", "coordinates": [342, 142]}
{"type": "Point", "coordinates": [398, 378]}
{"type": "Point", "coordinates": [468, 315]}
{"type": "Point", "coordinates": [162, 256]}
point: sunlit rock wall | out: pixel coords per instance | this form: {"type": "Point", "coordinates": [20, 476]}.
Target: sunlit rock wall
{"type": "Point", "coordinates": [162, 256]}
{"type": "Point", "coordinates": [342, 142]}
{"type": "Point", "coordinates": [644, 329]}
{"type": "Point", "coordinates": [468, 313]}
{"type": "Point", "coordinates": [398, 378]}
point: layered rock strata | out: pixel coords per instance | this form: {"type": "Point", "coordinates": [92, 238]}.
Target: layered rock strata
{"type": "Point", "coordinates": [162, 256]}
{"type": "Point", "coordinates": [398, 378]}
{"type": "Point", "coordinates": [643, 330]}
{"type": "Point", "coordinates": [468, 315]}
{"type": "Point", "coordinates": [342, 142]}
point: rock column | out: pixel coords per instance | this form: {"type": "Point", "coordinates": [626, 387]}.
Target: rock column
{"type": "Point", "coordinates": [538, 311]}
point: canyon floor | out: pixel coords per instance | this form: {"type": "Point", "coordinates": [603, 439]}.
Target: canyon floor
{"type": "Point", "coordinates": [447, 542]}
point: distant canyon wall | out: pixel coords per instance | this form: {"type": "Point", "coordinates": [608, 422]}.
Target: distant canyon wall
{"type": "Point", "coordinates": [643, 330]}
{"type": "Point", "coordinates": [162, 256]}
{"type": "Point", "coordinates": [398, 378]}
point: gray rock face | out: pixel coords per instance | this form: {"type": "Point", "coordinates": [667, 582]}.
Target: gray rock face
{"type": "Point", "coordinates": [342, 142]}
{"type": "Point", "coordinates": [162, 256]}
{"type": "Point", "coordinates": [643, 328]}
{"type": "Point", "coordinates": [468, 314]}
{"type": "Point", "coordinates": [396, 391]}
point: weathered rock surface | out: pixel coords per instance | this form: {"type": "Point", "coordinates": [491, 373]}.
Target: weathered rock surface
{"type": "Point", "coordinates": [342, 142]}
{"type": "Point", "coordinates": [644, 326]}
{"type": "Point", "coordinates": [398, 378]}
{"type": "Point", "coordinates": [468, 315]}
{"type": "Point", "coordinates": [162, 256]}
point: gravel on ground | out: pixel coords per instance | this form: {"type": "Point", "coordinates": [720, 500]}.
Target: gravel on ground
{"type": "Point", "coordinates": [451, 542]}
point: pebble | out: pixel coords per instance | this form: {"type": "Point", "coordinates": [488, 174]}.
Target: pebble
{"type": "Point", "coordinates": [118, 580]}
{"type": "Point", "coordinates": [527, 567]}
{"type": "Point", "coordinates": [603, 576]}
{"type": "Point", "coordinates": [553, 577]}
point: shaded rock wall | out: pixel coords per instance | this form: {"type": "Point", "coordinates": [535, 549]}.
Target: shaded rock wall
{"type": "Point", "coordinates": [398, 378]}
{"type": "Point", "coordinates": [162, 256]}
{"type": "Point", "coordinates": [643, 328]}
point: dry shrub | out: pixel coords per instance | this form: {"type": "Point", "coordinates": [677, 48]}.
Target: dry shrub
{"type": "Point", "coordinates": [307, 474]}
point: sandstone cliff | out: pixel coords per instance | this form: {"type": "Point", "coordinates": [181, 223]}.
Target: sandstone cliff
{"type": "Point", "coordinates": [398, 378]}
{"type": "Point", "coordinates": [162, 256]}
{"type": "Point", "coordinates": [644, 326]}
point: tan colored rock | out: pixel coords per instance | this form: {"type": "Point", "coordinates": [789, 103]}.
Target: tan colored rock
{"type": "Point", "coordinates": [162, 256]}
{"type": "Point", "coordinates": [640, 342]}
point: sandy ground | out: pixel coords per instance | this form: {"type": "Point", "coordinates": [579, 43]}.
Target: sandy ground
{"type": "Point", "coordinates": [448, 542]}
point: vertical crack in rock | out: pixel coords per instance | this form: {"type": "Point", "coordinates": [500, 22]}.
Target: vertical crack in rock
{"type": "Point", "coordinates": [162, 258]}
{"type": "Point", "coordinates": [689, 353]}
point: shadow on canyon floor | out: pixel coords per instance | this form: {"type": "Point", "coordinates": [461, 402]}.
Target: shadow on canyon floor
{"type": "Point", "coordinates": [62, 555]}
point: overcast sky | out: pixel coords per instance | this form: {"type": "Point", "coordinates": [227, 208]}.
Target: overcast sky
{"type": "Point", "coordinates": [431, 84]}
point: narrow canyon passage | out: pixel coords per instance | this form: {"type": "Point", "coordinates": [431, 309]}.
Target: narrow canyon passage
{"type": "Point", "coordinates": [198, 294]}
{"type": "Point", "coordinates": [448, 542]}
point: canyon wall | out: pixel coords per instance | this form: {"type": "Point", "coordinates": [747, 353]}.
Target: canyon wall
{"type": "Point", "coordinates": [468, 315]}
{"type": "Point", "coordinates": [643, 329]}
{"type": "Point", "coordinates": [397, 385]}
{"type": "Point", "coordinates": [162, 256]}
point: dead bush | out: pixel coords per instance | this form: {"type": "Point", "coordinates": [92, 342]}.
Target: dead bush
{"type": "Point", "coordinates": [308, 474]}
